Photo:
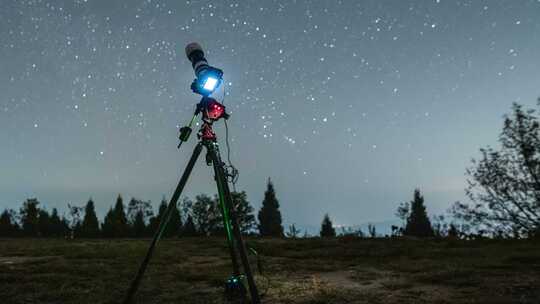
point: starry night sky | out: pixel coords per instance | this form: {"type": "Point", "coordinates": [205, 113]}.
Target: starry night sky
{"type": "Point", "coordinates": [346, 105]}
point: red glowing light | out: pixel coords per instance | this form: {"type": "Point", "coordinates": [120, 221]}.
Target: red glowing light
{"type": "Point", "coordinates": [215, 110]}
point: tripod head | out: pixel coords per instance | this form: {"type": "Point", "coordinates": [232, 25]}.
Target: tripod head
{"type": "Point", "coordinates": [211, 111]}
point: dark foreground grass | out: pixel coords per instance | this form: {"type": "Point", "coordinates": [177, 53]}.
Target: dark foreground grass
{"type": "Point", "coordinates": [350, 270]}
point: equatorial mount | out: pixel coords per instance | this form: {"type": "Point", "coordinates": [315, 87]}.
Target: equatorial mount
{"type": "Point", "coordinates": [211, 111]}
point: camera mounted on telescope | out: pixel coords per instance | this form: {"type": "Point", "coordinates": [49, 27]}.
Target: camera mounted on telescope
{"type": "Point", "coordinates": [208, 78]}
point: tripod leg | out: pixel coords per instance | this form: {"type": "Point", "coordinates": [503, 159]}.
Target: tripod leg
{"type": "Point", "coordinates": [224, 186]}
{"type": "Point", "coordinates": [227, 224]}
{"type": "Point", "coordinates": [163, 223]}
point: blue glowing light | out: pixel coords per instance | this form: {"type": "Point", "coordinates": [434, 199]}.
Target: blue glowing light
{"type": "Point", "coordinates": [210, 84]}
{"type": "Point", "coordinates": [207, 81]}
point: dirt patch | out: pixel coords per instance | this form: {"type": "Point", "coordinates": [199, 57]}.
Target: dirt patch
{"type": "Point", "coordinates": [371, 281]}
{"type": "Point", "coordinates": [362, 279]}
{"type": "Point", "coordinates": [343, 279]}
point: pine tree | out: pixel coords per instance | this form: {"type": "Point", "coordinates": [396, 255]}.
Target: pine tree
{"type": "Point", "coordinates": [418, 223]}
{"type": "Point", "coordinates": [107, 228]}
{"type": "Point", "coordinates": [174, 225]}
{"type": "Point", "coordinates": [57, 226]}
{"type": "Point", "coordinates": [65, 226]}
{"type": "Point", "coordinates": [154, 220]}
{"type": "Point", "coordinates": [138, 213]}
{"type": "Point", "coordinates": [90, 223]}
{"type": "Point", "coordinates": [120, 224]}
{"type": "Point", "coordinates": [269, 215]}
{"type": "Point", "coordinates": [327, 229]}
{"type": "Point", "coordinates": [138, 225]}
{"type": "Point", "coordinates": [8, 224]}
{"type": "Point", "coordinates": [29, 217]}
{"type": "Point", "coordinates": [44, 223]}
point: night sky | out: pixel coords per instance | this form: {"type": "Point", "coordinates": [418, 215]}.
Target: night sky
{"type": "Point", "coordinates": [346, 105]}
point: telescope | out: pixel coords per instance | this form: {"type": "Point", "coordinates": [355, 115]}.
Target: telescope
{"type": "Point", "coordinates": [208, 78]}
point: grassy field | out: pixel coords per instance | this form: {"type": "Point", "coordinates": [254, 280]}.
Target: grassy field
{"type": "Point", "coordinates": [350, 270]}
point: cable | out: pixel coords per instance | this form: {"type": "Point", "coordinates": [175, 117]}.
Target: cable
{"type": "Point", "coordinates": [231, 171]}
{"type": "Point", "coordinates": [233, 174]}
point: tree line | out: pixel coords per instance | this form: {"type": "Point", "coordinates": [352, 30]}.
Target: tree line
{"type": "Point", "coordinates": [201, 216]}
{"type": "Point", "coordinates": [415, 219]}
{"type": "Point", "coordinates": [503, 188]}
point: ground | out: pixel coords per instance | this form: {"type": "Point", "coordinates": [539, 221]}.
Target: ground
{"type": "Point", "coordinates": [301, 271]}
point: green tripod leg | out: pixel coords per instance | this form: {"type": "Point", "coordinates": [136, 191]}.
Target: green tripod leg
{"type": "Point", "coordinates": [227, 224]}
{"type": "Point", "coordinates": [232, 221]}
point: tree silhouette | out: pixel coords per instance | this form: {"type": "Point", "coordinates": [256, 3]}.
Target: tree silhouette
{"type": "Point", "coordinates": [504, 185]}
{"type": "Point", "coordinates": [120, 225]}
{"type": "Point", "coordinates": [75, 221]}
{"type": "Point", "coordinates": [186, 210]}
{"type": "Point", "coordinates": [402, 212]}
{"type": "Point", "coordinates": [58, 227]}
{"type": "Point", "coordinates": [107, 228]}
{"type": "Point", "coordinates": [418, 223]}
{"type": "Point", "coordinates": [372, 230]}
{"type": "Point", "coordinates": [138, 227]}
{"type": "Point", "coordinates": [44, 223]}
{"type": "Point", "coordinates": [30, 217]}
{"type": "Point", "coordinates": [138, 214]}
{"type": "Point", "coordinates": [269, 215]}
{"type": "Point", "coordinates": [440, 226]}
{"type": "Point", "coordinates": [8, 224]}
{"type": "Point", "coordinates": [293, 232]}
{"type": "Point", "coordinates": [174, 226]}
{"type": "Point", "coordinates": [189, 228]}
{"type": "Point", "coordinates": [153, 223]}
{"type": "Point", "coordinates": [327, 229]}
{"type": "Point", "coordinates": [206, 214]}
{"type": "Point", "coordinates": [453, 232]}
{"type": "Point", "coordinates": [90, 223]}
{"type": "Point", "coordinates": [244, 211]}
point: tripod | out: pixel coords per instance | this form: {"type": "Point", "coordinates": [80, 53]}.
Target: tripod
{"type": "Point", "coordinates": [234, 288]}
